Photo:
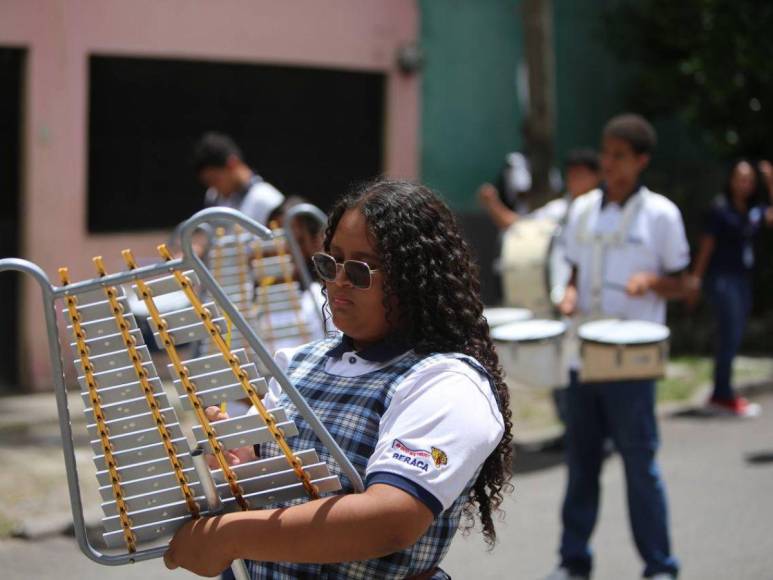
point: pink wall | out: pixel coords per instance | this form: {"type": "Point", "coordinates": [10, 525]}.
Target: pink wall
{"type": "Point", "coordinates": [59, 35]}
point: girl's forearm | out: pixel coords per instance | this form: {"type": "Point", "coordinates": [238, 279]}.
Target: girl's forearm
{"type": "Point", "coordinates": [335, 529]}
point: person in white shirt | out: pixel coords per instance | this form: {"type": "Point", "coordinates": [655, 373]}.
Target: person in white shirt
{"type": "Point", "coordinates": [220, 166]}
{"type": "Point", "coordinates": [629, 253]}
{"type": "Point", "coordinates": [411, 391]}
{"type": "Point", "coordinates": [582, 175]}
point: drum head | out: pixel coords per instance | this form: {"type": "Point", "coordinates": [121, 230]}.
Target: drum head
{"type": "Point", "coordinates": [528, 330]}
{"type": "Point", "coordinates": [500, 316]}
{"type": "Point", "coordinates": [623, 332]}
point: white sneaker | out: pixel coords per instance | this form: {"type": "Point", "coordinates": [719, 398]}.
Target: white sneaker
{"type": "Point", "coordinates": [663, 576]}
{"type": "Point", "coordinates": [564, 574]}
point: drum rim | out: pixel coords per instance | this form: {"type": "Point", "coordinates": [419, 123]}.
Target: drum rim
{"type": "Point", "coordinates": [625, 344]}
{"type": "Point", "coordinates": [530, 340]}
{"type": "Point", "coordinates": [558, 335]}
{"type": "Point", "coordinates": [495, 311]}
{"type": "Point", "coordinates": [596, 340]}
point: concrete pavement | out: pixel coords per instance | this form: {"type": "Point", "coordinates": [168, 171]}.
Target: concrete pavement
{"type": "Point", "coordinates": [719, 474]}
{"type": "Point", "coordinates": [719, 477]}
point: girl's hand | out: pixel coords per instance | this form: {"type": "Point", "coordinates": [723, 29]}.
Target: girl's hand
{"type": "Point", "coordinates": [233, 456]}
{"type": "Point", "coordinates": [196, 547]}
{"type": "Point", "coordinates": [487, 194]}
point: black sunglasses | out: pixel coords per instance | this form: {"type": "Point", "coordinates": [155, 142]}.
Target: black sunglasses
{"type": "Point", "coordinates": [358, 273]}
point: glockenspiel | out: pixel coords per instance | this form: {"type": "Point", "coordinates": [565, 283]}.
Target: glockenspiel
{"type": "Point", "coordinates": [269, 282]}
{"type": "Point", "coordinates": [151, 471]}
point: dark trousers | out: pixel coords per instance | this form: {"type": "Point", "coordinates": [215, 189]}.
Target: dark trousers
{"type": "Point", "coordinates": [731, 299]}
{"type": "Point", "coordinates": [625, 412]}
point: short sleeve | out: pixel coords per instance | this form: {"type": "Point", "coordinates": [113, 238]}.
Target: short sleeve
{"type": "Point", "coordinates": [671, 241]}
{"type": "Point", "coordinates": [440, 427]}
{"type": "Point", "coordinates": [262, 199]}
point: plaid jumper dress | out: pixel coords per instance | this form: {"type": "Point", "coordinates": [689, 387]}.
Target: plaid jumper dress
{"type": "Point", "coordinates": [351, 409]}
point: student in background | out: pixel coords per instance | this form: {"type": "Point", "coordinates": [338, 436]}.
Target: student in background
{"type": "Point", "coordinates": [582, 175]}
{"type": "Point", "coordinates": [220, 166]}
{"type": "Point", "coordinates": [723, 270]}
{"type": "Point", "coordinates": [631, 278]}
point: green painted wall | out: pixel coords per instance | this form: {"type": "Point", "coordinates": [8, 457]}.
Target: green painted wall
{"type": "Point", "coordinates": [470, 116]}
{"type": "Point", "coordinates": [470, 111]}
{"type": "Point", "coordinates": [590, 83]}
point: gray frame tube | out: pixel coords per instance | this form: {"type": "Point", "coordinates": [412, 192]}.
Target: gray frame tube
{"type": "Point", "coordinates": [238, 567]}
{"type": "Point", "coordinates": [49, 294]}
{"type": "Point", "coordinates": [295, 249]}
{"type": "Point", "coordinates": [205, 277]}
{"type": "Point", "coordinates": [296, 210]}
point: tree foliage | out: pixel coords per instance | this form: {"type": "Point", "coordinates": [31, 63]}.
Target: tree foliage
{"type": "Point", "coordinates": [707, 61]}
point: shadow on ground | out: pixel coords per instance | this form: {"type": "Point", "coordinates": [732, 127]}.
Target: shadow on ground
{"type": "Point", "coordinates": [537, 457]}
{"type": "Point", "coordinates": [760, 458]}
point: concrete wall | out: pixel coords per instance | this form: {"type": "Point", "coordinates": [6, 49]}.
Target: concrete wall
{"type": "Point", "coordinates": [59, 36]}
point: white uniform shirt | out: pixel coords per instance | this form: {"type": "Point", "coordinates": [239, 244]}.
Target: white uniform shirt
{"type": "Point", "coordinates": [259, 201]}
{"type": "Point", "coordinates": [554, 211]}
{"type": "Point", "coordinates": [448, 406]}
{"type": "Point", "coordinates": [655, 243]}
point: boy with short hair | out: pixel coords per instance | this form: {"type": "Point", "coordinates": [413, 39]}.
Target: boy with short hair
{"type": "Point", "coordinates": [220, 166]}
{"type": "Point", "coordinates": [633, 275]}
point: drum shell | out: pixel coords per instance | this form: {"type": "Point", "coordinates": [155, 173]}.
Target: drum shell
{"type": "Point", "coordinates": [527, 247]}
{"type": "Point", "coordinates": [533, 363]}
{"type": "Point", "coordinates": [606, 362]}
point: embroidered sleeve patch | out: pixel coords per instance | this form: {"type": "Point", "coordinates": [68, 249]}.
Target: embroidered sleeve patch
{"type": "Point", "coordinates": [439, 457]}
{"type": "Point", "coordinates": [419, 458]}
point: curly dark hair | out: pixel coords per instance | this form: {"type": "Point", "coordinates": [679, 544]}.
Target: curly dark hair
{"type": "Point", "coordinates": [760, 190]}
{"type": "Point", "coordinates": [428, 267]}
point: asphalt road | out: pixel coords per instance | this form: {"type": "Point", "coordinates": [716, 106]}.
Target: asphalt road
{"type": "Point", "coordinates": [719, 475]}
{"type": "Point", "coordinates": [719, 480]}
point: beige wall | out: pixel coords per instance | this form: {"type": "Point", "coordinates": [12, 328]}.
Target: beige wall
{"type": "Point", "coordinates": [59, 35]}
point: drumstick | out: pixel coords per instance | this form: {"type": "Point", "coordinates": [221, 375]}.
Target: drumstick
{"type": "Point", "coordinates": [616, 286]}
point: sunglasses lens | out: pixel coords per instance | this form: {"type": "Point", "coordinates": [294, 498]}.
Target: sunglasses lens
{"type": "Point", "coordinates": [358, 274]}
{"type": "Point", "coordinates": [326, 266]}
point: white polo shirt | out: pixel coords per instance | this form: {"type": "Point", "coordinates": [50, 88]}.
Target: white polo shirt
{"type": "Point", "coordinates": [447, 406]}
{"type": "Point", "coordinates": [258, 202]}
{"type": "Point", "coordinates": [655, 242]}
{"type": "Point", "coordinates": [554, 210]}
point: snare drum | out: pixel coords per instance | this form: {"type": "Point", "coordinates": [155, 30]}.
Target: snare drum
{"type": "Point", "coordinates": [499, 316]}
{"type": "Point", "coordinates": [618, 350]}
{"type": "Point", "coordinates": [533, 266]}
{"type": "Point", "coordinates": [531, 352]}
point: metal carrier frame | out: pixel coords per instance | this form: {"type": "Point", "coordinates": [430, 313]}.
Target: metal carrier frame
{"type": "Point", "coordinates": [120, 342]}
{"type": "Point", "coordinates": [260, 285]}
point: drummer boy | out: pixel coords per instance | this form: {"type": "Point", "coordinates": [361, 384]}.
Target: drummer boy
{"type": "Point", "coordinates": [629, 252]}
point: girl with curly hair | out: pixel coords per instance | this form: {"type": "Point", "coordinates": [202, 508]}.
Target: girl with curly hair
{"type": "Point", "coordinates": [412, 391]}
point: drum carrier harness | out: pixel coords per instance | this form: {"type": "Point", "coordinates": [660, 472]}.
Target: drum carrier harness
{"type": "Point", "coordinates": [602, 241]}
